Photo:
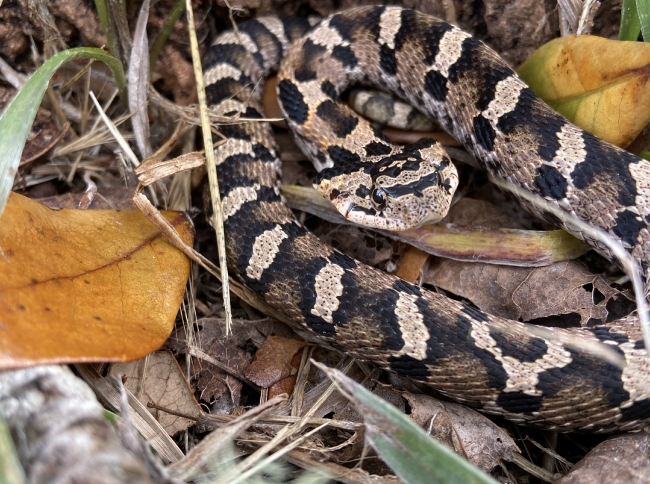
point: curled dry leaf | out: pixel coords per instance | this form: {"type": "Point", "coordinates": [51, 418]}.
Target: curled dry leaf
{"type": "Point", "coordinates": [625, 458]}
{"type": "Point", "coordinates": [275, 361]}
{"type": "Point", "coordinates": [462, 429]}
{"type": "Point", "coordinates": [81, 286]}
{"type": "Point", "coordinates": [158, 379]}
{"type": "Point", "coordinates": [475, 242]}
{"type": "Point", "coordinates": [599, 84]}
{"type": "Point", "coordinates": [211, 382]}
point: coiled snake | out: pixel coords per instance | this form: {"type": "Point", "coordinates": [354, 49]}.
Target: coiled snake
{"type": "Point", "coordinates": [494, 365]}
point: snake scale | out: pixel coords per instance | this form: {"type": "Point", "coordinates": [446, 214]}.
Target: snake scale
{"type": "Point", "coordinates": [494, 365]}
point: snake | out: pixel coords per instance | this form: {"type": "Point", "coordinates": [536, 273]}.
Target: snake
{"type": "Point", "coordinates": [495, 365]}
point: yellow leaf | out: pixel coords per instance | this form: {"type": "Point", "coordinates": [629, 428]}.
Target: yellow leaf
{"type": "Point", "coordinates": [85, 285]}
{"type": "Point", "coordinates": [599, 84]}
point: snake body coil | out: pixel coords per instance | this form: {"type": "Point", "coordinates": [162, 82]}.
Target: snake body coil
{"type": "Point", "coordinates": [492, 364]}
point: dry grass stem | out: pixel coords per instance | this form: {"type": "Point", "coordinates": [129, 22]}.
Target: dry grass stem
{"type": "Point", "coordinates": [108, 390]}
{"type": "Point", "coordinates": [192, 465]}
{"type": "Point", "coordinates": [211, 166]}
{"type": "Point", "coordinates": [115, 132]}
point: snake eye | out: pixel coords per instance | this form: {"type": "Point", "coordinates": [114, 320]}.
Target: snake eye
{"type": "Point", "coordinates": [378, 197]}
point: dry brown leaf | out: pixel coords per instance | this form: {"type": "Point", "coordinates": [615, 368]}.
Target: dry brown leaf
{"type": "Point", "coordinates": [526, 294]}
{"type": "Point", "coordinates": [273, 361]}
{"type": "Point", "coordinates": [211, 382]}
{"type": "Point", "coordinates": [83, 286]}
{"type": "Point", "coordinates": [523, 293]}
{"type": "Point", "coordinates": [462, 429]}
{"type": "Point", "coordinates": [622, 459]}
{"type": "Point", "coordinates": [158, 379]}
{"type": "Point", "coordinates": [599, 84]}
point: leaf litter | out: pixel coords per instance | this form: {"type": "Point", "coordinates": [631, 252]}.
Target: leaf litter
{"type": "Point", "coordinates": [341, 445]}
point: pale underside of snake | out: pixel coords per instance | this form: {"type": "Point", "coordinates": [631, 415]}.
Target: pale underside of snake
{"type": "Point", "coordinates": [495, 365]}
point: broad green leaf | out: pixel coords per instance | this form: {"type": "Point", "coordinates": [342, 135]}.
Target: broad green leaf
{"type": "Point", "coordinates": [16, 120]}
{"type": "Point", "coordinates": [165, 32]}
{"type": "Point", "coordinates": [599, 84]}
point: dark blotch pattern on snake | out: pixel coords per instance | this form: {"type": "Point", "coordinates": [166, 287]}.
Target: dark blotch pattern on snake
{"type": "Point", "coordinates": [495, 365]}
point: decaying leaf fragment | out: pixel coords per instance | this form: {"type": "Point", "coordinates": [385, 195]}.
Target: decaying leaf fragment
{"type": "Point", "coordinates": [158, 379]}
{"type": "Point", "coordinates": [599, 84]}
{"type": "Point", "coordinates": [625, 458]}
{"type": "Point", "coordinates": [462, 429]}
{"type": "Point", "coordinates": [527, 294]}
{"type": "Point", "coordinates": [210, 336]}
{"type": "Point", "coordinates": [84, 286]}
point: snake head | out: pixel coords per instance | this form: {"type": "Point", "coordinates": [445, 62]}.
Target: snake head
{"type": "Point", "coordinates": [400, 192]}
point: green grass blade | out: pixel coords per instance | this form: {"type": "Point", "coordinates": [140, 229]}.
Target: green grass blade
{"type": "Point", "coordinates": [102, 13]}
{"type": "Point", "coordinates": [16, 120]}
{"type": "Point", "coordinates": [11, 471]}
{"type": "Point", "coordinates": [164, 33]}
{"type": "Point", "coordinates": [643, 9]}
{"type": "Point", "coordinates": [630, 25]}
{"type": "Point", "coordinates": [414, 456]}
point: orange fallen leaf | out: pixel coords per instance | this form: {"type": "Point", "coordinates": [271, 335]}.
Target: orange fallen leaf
{"type": "Point", "coordinates": [83, 286]}
{"type": "Point", "coordinates": [599, 84]}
